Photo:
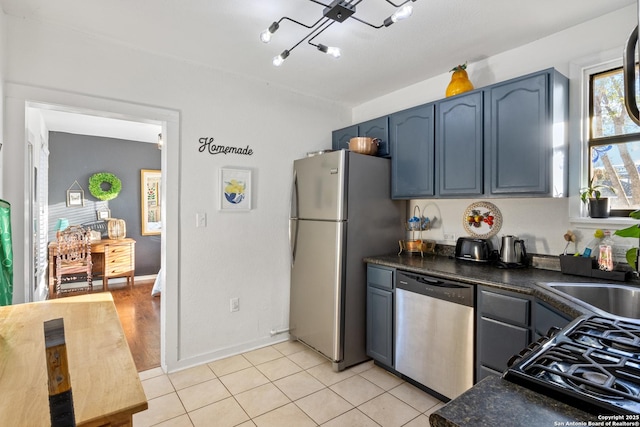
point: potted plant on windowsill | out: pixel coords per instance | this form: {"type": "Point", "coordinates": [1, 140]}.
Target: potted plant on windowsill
{"type": "Point", "coordinates": [592, 196]}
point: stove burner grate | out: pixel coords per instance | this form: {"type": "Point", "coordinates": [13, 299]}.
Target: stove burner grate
{"type": "Point", "coordinates": [595, 362]}
{"type": "Point", "coordinates": [614, 334]}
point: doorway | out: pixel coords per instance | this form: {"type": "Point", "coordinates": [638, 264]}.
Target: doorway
{"type": "Point", "coordinates": [19, 99]}
{"type": "Point", "coordinates": [83, 139]}
{"type": "Point", "coordinates": [18, 164]}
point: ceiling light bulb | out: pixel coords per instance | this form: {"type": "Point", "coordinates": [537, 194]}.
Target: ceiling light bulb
{"type": "Point", "coordinates": [330, 50]}
{"type": "Point", "coordinates": [278, 60]}
{"type": "Point", "coordinates": [402, 13]}
{"type": "Point", "coordinates": [265, 36]}
{"type": "Point", "coordinates": [334, 51]}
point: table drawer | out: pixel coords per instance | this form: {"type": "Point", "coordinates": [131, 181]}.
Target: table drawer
{"type": "Point", "coordinates": [121, 250]}
{"type": "Point", "coordinates": [119, 259]}
{"type": "Point", "coordinates": [116, 270]}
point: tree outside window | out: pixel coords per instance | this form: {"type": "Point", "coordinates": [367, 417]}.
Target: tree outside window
{"type": "Point", "coordinates": [614, 142]}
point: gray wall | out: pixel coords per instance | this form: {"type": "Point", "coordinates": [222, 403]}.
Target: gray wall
{"type": "Point", "coordinates": [77, 157]}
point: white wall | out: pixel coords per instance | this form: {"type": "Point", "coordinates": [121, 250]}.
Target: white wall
{"type": "Point", "coordinates": [542, 222]}
{"type": "Point", "coordinates": [242, 255]}
{"type": "Point", "coordinates": [3, 54]}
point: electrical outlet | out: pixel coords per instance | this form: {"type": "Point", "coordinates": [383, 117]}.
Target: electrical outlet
{"type": "Point", "coordinates": [201, 220]}
{"type": "Point", "coordinates": [234, 304]}
{"type": "Point", "coordinates": [449, 237]}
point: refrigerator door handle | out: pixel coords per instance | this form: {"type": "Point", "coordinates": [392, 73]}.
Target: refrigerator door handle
{"type": "Point", "coordinates": [293, 239]}
{"type": "Point", "coordinates": [294, 196]}
{"type": "Point", "coordinates": [293, 225]}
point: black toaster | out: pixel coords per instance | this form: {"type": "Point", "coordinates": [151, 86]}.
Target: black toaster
{"type": "Point", "coordinates": [474, 249]}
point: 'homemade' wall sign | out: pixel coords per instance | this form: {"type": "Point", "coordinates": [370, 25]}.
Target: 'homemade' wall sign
{"type": "Point", "coordinates": [206, 144]}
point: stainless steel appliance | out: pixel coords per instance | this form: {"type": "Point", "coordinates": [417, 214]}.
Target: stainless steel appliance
{"type": "Point", "coordinates": [512, 252]}
{"type": "Point", "coordinates": [474, 249]}
{"type": "Point", "coordinates": [593, 363]}
{"type": "Point", "coordinates": [434, 328]}
{"type": "Point", "coordinates": [341, 211]}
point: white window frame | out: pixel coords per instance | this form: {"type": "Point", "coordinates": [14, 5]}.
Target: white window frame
{"type": "Point", "coordinates": [580, 72]}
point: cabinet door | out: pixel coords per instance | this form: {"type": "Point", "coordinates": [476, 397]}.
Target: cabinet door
{"type": "Point", "coordinates": [459, 145]}
{"type": "Point", "coordinates": [377, 128]}
{"type": "Point", "coordinates": [546, 318]}
{"type": "Point", "coordinates": [505, 308]}
{"type": "Point", "coordinates": [503, 329]}
{"type": "Point", "coordinates": [380, 325]}
{"type": "Point", "coordinates": [499, 342]}
{"type": "Point", "coordinates": [411, 133]}
{"type": "Point", "coordinates": [340, 138]}
{"type": "Point", "coordinates": [519, 135]}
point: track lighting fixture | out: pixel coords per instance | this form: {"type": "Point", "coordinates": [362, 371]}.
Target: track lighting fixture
{"type": "Point", "coordinates": [336, 11]}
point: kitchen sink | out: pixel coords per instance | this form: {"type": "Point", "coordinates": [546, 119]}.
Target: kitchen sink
{"type": "Point", "coordinates": [601, 298]}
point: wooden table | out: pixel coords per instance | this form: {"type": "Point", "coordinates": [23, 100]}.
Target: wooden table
{"type": "Point", "coordinates": [110, 257]}
{"type": "Point", "coordinates": [104, 381]}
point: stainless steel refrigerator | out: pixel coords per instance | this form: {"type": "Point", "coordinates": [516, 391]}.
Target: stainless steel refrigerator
{"type": "Point", "coordinates": [341, 211]}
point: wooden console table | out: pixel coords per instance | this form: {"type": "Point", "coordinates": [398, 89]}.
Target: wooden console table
{"type": "Point", "coordinates": [110, 257]}
{"type": "Point", "coordinates": [104, 381]}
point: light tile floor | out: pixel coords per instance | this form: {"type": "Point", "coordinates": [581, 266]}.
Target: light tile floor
{"type": "Point", "coordinates": [282, 385]}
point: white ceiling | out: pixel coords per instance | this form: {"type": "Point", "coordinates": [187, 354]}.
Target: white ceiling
{"type": "Point", "coordinates": [85, 124]}
{"type": "Point", "coordinates": [224, 35]}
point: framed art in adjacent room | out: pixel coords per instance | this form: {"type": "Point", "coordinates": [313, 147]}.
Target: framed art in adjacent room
{"type": "Point", "coordinates": [103, 213]}
{"type": "Point", "coordinates": [235, 190]}
{"type": "Point", "coordinates": [151, 202]}
{"type": "Point", "coordinates": [75, 198]}
{"type": "Point", "coordinates": [75, 195]}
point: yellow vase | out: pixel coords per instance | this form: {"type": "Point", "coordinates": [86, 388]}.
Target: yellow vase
{"type": "Point", "coordinates": [459, 81]}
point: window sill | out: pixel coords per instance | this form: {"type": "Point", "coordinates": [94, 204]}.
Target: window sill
{"type": "Point", "coordinates": [614, 221]}
{"type": "Point", "coordinates": [611, 221]}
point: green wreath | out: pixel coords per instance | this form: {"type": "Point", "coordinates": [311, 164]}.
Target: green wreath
{"type": "Point", "coordinates": [95, 185]}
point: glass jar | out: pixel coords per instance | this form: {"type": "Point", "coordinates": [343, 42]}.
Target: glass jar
{"type": "Point", "coordinates": [605, 253]}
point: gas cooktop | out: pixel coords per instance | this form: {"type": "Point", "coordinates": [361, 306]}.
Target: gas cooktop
{"type": "Point", "coordinates": [593, 364]}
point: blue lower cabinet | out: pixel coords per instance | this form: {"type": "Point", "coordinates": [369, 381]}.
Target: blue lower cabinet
{"type": "Point", "coordinates": [380, 293]}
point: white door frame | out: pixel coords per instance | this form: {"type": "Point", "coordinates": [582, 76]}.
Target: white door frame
{"type": "Point", "coordinates": [16, 163]}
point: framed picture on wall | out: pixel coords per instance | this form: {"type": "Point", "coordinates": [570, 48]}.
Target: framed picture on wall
{"type": "Point", "coordinates": [151, 202]}
{"type": "Point", "coordinates": [75, 198]}
{"type": "Point", "coordinates": [103, 213]}
{"type": "Point", "coordinates": [235, 190]}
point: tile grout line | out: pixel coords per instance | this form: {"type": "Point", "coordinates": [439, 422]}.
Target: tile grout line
{"type": "Point", "coordinates": [325, 386]}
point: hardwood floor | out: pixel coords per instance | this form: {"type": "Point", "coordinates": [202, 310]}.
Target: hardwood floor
{"type": "Point", "coordinates": [139, 313]}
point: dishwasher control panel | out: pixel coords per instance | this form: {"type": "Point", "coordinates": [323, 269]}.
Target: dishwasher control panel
{"type": "Point", "coordinates": [459, 293]}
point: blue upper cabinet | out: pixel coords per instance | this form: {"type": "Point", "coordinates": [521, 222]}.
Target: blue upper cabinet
{"type": "Point", "coordinates": [523, 116]}
{"type": "Point", "coordinates": [504, 140]}
{"type": "Point", "coordinates": [340, 138]}
{"type": "Point", "coordinates": [459, 145]}
{"type": "Point", "coordinates": [377, 128]}
{"type": "Point", "coordinates": [411, 134]}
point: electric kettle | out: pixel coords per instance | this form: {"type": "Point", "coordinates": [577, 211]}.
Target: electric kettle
{"type": "Point", "coordinates": [513, 250]}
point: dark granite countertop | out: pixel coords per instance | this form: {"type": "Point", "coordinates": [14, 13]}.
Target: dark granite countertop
{"type": "Point", "coordinates": [524, 280]}
{"type": "Point", "coordinates": [497, 402]}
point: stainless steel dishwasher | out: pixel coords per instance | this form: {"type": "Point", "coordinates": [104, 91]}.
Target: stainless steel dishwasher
{"type": "Point", "coordinates": [434, 329]}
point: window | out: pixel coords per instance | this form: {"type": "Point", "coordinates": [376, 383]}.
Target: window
{"type": "Point", "coordinates": [614, 142]}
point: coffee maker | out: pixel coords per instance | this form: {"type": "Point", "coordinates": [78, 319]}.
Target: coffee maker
{"type": "Point", "coordinates": [513, 254]}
